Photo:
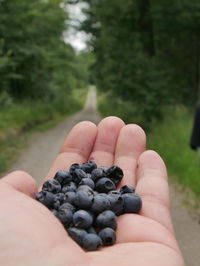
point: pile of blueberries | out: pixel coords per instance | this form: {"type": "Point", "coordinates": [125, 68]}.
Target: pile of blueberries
{"type": "Point", "coordinates": [86, 202]}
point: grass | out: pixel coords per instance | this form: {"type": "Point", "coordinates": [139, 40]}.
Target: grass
{"type": "Point", "coordinates": [171, 140]}
{"type": "Point", "coordinates": [20, 120]}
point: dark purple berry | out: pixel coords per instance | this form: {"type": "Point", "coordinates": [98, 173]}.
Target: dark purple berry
{"type": "Point", "coordinates": [45, 197]}
{"type": "Point", "coordinates": [86, 188]}
{"type": "Point", "coordinates": [58, 200]}
{"type": "Point", "coordinates": [65, 215]}
{"type": "Point", "coordinates": [52, 185]}
{"type": "Point", "coordinates": [77, 234]}
{"type": "Point", "coordinates": [69, 196]}
{"type": "Point", "coordinates": [106, 219]}
{"type": "Point", "coordinates": [63, 177]}
{"type": "Point", "coordinates": [100, 203]}
{"type": "Point", "coordinates": [97, 173]}
{"type": "Point", "coordinates": [116, 202]}
{"type": "Point", "coordinates": [108, 236]}
{"type": "Point", "coordinates": [82, 219]}
{"type": "Point", "coordinates": [127, 189]}
{"type": "Point", "coordinates": [83, 200]}
{"type": "Point", "coordinates": [73, 167]}
{"type": "Point", "coordinates": [115, 174]}
{"type": "Point", "coordinates": [91, 242]}
{"type": "Point", "coordinates": [71, 186]}
{"type": "Point", "coordinates": [87, 181]}
{"type": "Point", "coordinates": [69, 206]}
{"type": "Point", "coordinates": [78, 175]}
{"type": "Point", "coordinates": [104, 185]}
{"type": "Point", "coordinates": [132, 203]}
{"type": "Point", "coordinates": [88, 167]}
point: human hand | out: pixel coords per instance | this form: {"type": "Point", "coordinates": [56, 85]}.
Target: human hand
{"type": "Point", "coordinates": [31, 235]}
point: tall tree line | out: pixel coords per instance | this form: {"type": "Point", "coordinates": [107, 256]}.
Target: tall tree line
{"type": "Point", "coordinates": [147, 52]}
{"type": "Point", "coordinates": [35, 62]}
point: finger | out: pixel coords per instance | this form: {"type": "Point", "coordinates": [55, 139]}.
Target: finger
{"type": "Point", "coordinates": [21, 181]}
{"type": "Point", "coordinates": [104, 148]}
{"type": "Point", "coordinates": [76, 148]}
{"type": "Point", "coordinates": [152, 186]}
{"type": "Point", "coordinates": [143, 229]}
{"type": "Point", "coordinates": [130, 144]}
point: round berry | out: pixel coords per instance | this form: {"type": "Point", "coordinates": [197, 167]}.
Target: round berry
{"type": "Point", "coordinates": [63, 177]}
{"type": "Point", "coordinates": [45, 197]}
{"type": "Point", "coordinates": [91, 242]}
{"type": "Point", "coordinates": [77, 234]}
{"type": "Point", "coordinates": [100, 203]}
{"type": "Point", "coordinates": [105, 185]}
{"type": "Point", "coordinates": [127, 189]}
{"type": "Point", "coordinates": [52, 185]}
{"type": "Point", "coordinates": [108, 236]}
{"type": "Point", "coordinates": [106, 219]}
{"type": "Point", "coordinates": [82, 219]}
{"type": "Point", "coordinates": [82, 200]}
{"type": "Point", "coordinates": [132, 203]}
{"type": "Point", "coordinates": [87, 181]}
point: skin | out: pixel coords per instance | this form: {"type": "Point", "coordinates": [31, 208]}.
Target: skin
{"type": "Point", "coordinates": [31, 235]}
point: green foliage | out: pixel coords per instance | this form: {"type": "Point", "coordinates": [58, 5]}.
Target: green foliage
{"type": "Point", "coordinates": [147, 52]}
{"type": "Point", "coordinates": [171, 140]}
{"type": "Point", "coordinates": [35, 62]}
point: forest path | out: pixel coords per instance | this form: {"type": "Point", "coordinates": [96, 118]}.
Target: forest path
{"type": "Point", "coordinates": [43, 148]}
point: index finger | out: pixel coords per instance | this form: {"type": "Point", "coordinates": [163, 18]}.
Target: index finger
{"type": "Point", "coordinates": [76, 147]}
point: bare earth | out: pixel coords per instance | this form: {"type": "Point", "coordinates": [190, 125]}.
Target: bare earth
{"type": "Point", "coordinates": [36, 160]}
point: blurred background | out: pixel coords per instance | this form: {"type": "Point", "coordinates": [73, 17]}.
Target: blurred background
{"type": "Point", "coordinates": [142, 56]}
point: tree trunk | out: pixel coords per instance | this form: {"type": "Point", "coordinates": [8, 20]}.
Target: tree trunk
{"type": "Point", "coordinates": [145, 25]}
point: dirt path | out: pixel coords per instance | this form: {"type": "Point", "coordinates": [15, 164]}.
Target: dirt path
{"type": "Point", "coordinates": [44, 146]}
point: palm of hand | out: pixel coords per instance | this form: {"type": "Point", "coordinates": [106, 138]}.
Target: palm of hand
{"type": "Point", "coordinates": [31, 235]}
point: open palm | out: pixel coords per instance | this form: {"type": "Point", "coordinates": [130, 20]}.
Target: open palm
{"type": "Point", "coordinates": [31, 235]}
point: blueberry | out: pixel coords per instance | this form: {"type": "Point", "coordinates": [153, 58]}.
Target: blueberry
{"type": "Point", "coordinates": [127, 189]}
{"type": "Point", "coordinates": [106, 219]}
{"type": "Point", "coordinates": [78, 175]}
{"type": "Point", "coordinates": [82, 219]}
{"type": "Point", "coordinates": [87, 181]}
{"type": "Point", "coordinates": [69, 187]}
{"type": "Point", "coordinates": [65, 215]}
{"type": "Point", "coordinates": [115, 174]}
{"type": "Point", "coordinates": [77, 234]}
{"type": "Point", "coordinates": [63, 177]}
{"type": "Point", "coordinates": [100, 203]}
{"type": "Point", "coordinates": [86, 188]}
{"type": "Point", "coordinates": [58, 200]}
{"type": "Point", "coordinates": [73, 167]}
{"type": "Point", "coordinates": [52, 185]}
{"type": "Point", "coordinates": [91, 242]}
{"type": "Point", "coordinates": [89, 166]}
{"type": "Point", "coordinates": [69, 206]}
{"type": "Point", "coordinates": [116, 202]}
{"type": "Point", "coordinates": [97, 173]}
{"type": "Point", "coordinates": [105, 185]}
{"type": "Point", "coordinates": [108, 236]}
{"type": "Point", "coordinates": [45, 197]}
{"type": "Point", "coordinates": [69, 196]}
{"type": "Point", "coordinates": [83, 200]}
{"type": "Point", "coordinates": [132, 203]}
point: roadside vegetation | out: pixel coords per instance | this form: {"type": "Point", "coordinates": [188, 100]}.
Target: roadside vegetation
{"type": "Point", "coordinates": [42, 78]}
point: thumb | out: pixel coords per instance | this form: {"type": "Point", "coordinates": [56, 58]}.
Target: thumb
{"type": "Point", "coordinates": [21, 181]}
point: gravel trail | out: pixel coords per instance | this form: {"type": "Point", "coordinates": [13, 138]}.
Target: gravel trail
{"type": "Point", "coordinates": [43, 148]}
